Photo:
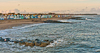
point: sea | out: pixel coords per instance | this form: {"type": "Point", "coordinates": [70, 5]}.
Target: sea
{"type": "Point", "coordinates": [80, 36]}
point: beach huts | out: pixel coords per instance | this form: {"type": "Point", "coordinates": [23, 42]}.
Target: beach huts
{"type": "Point", "coordinates": [30, 16]}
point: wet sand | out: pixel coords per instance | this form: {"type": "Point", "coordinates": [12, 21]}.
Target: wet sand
{"type": "Point", "coordinates": [6, 24]}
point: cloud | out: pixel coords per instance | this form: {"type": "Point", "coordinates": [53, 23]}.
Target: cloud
{"type": "Point", "coordinates": [93, 10]}
{"type": "Point", "coordinates": [85, 10]}
{"type": "Point", "coordinates": [15, 11]}
{"type": "Point", "coordinates": [60, 11]}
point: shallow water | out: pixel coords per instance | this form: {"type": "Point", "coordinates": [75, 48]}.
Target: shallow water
{"type": "Point", "coordinates": [83, 36]}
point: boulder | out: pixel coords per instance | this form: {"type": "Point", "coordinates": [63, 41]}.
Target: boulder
{"type": "Point", "coordinates": [51, 41]}
{"type": "Point", "coordinates": [21, 42]}
{"type": "Point", "coordinates": [1, 39]}
{"type": "Point", "coordinates": [16, 41]}
{"type": "Point", "coordinates": [6, 39]}
{"type": "Point", "coordinates": [30, 43]}
{"type": "Point", "coordinates": [44, 43]}
{"type": "Point", "coordinates": [37, 42]}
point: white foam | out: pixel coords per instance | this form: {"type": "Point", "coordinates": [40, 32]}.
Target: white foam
{"type": "Point", "coordinates": [56, 43]}
{"type": "Point", "coordinates": [98, 50]}
{"type": "Point", "coordinates": [87, 19]}
{"type": "Point", "coordinates": [27, 26]}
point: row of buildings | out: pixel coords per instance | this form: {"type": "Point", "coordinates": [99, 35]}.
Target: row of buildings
{"type": "Point", "coordinates": [29, 16]}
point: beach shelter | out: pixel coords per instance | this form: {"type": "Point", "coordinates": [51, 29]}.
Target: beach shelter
{"type": "Point", "coordinates": [32, 16]}
{"type": "Point", "coordinates": [22, 17]}
{"type": "Point", "coordinates": [67, 15]}
{"type": "Point", "coordinates": [36, 16]}
{"type": "Point", "coordinates": [18, 16]}
{"type": "Point", "coordinates": [5, 17]}
{"type": "Point", "coordinates": [63, 16]}
{"type": "Point", "coordinates": [28, 16]}
{"type": "Point", "coordinates": [42, 16]}
{"type": "Point", "coordinates": [58, 15]}
{"type": "Point", "coordinates": [15, 16]}
{"type": "Point", "coordinates": [39, 16]}
{"type": "Point", "coordinates": [50, 16]}
{"type": "Point", "coordinates": [25, 16]}
{"type": "Point", "coordinates": [46, 16]}
{"type": "Point", "coordinates": [8, 17]}
{"type": "Point", "coordinates": [11, 16]}
{"type": "Point", "coordinates": [1, 17]}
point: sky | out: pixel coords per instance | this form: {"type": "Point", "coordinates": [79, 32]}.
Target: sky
{"type": "Point", "coordinates": [45, 6]}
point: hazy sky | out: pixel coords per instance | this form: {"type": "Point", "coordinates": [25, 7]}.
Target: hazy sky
{"type": "Point", "coordinates": [57, 6]}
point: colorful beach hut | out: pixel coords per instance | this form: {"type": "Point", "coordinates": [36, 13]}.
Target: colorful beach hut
{"type": "Point", "coordinates": [58, 15]}
{"type": "Point", "coordinates": [5, 16]}
{"type": "Point", "coordinates": [12, 16]}
{"type": "Point", "coordinates": [36, 16]}
{"type": "Point", "coordinates": [21, 16]}
{"type": "Point", "coordinates": [1, 17]}
{"type": "Point", "coordinates": [32, 16]}
{"type": "Point", "coordinates": [15, 16]}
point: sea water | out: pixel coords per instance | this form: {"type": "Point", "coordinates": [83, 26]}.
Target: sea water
{"type": "Point", "coordinates": [83, 36]}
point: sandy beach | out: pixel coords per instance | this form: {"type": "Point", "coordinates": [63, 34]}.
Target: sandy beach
{"type": "Point", "coordinates": [6, 24]}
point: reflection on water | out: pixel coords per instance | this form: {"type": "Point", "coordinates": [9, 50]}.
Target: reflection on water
{"type": "Point", "coordinates": [83, 36]}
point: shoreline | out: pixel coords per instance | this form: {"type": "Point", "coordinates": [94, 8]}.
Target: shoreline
{"type": "Point", "coordinates": [8, 24]}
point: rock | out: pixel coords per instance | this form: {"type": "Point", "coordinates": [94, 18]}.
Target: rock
{"type": "Point", "coordinates": [7, 39]}
{"type": "Point", "coordinates": [30, 43]}
{"type": "Point", "coordinates": [1, 39]}
{"type": "Point", "coordinates": [51, 41]}
{"type": "Point", "coordinates": [46, 40]}
{"type": "Point", "coordinates": [21, 42]}
{"type": "Point", "coordinates": [44, 43]}
{"type": "Point", "coordinates": [16, 41]}
{"type": "Point", "coordinates": [37, 42]}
